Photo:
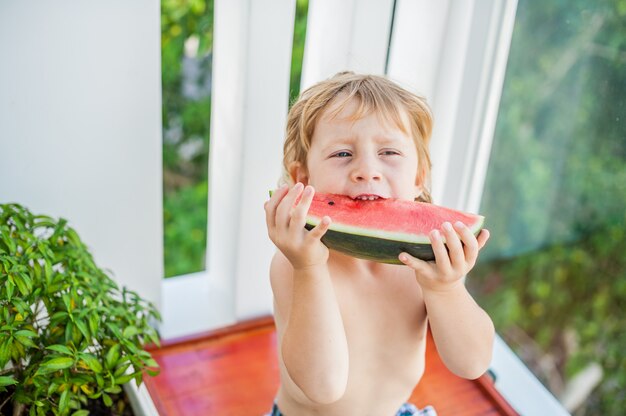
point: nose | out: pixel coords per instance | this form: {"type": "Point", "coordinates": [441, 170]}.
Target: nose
{"type": "Point", "coordinates": [365, 170]}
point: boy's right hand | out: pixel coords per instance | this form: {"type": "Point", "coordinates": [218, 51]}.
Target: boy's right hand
{"type": "Point", "coordinates": [285, 226]}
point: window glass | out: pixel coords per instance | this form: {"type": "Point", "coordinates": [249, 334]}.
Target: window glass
{"type": "Point", "coordinates": [553, 276]}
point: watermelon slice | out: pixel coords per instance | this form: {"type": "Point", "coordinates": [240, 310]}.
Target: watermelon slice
{"type": "Point", "coordinates": [381, 229]}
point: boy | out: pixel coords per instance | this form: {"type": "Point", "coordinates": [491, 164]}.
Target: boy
{"type": "Point", "coordinates": [351, 332]}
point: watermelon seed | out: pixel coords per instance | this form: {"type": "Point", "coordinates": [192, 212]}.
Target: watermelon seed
{"type": "Point", "coordinates": [331, 203]}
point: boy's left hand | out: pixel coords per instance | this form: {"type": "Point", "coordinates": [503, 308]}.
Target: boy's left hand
{"type": "Point", "coordinates": [452, 264]}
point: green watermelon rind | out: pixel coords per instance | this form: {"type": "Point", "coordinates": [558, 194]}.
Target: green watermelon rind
{"type": "Point", "coordinates": [377, 245]}
{"type": "Point", "coordinates": [387, 235]}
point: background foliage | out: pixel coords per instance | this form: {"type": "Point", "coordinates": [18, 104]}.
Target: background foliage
{"type": "Point", "coordinates": [553, 276]}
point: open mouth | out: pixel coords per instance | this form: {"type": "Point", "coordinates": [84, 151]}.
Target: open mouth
{"type": "Point", "coordinates": [367, 197]}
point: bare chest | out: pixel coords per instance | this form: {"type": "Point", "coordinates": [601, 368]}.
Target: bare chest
{"type": "Point", "coordinates": [385, 321]}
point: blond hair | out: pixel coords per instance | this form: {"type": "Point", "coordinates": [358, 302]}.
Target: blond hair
{"type": "Point", "coordinates": [374, 94]}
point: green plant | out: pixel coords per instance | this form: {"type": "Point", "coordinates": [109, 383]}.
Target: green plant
{"type": "Point", "coordinates": [68, 334]}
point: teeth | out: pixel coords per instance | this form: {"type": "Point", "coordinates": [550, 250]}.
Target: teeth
{"type": "Point", "coordinates": [367, 198]}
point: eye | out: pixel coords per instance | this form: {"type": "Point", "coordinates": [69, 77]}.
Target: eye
{"type": "Point", "coordinates": [389, 152]}
{"type": "Point", "coordinates": [342, 153]}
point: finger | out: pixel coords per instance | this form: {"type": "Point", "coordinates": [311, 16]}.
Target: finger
{"type": "Point", "coordinates": [283, 212]}
{"type": "Point", "coordinates": [483, 237]}
{"type": "Point", "coordinates": [470, 244]}
{"type": "Point", "coordinates": [298, 214]}
{"type": "Point", "coordinates": [416, 264]}
{"type": "Point", "coordinates": [455, 248]}
{"type": "Point", "coordinates": [271, 204]}
{"type": "Point", "coordinates": [441, 253]}
{"type": "Point", "coordinates": [321, 228]}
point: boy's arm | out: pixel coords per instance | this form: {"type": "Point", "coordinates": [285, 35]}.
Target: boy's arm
{"type": "Point", "coordinates": [313, 342]}
{"type": "Point", "coordinates": [463, 332]}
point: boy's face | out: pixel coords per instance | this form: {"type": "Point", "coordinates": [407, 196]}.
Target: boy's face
{"type": "Point", "coordinates": [364, 159]}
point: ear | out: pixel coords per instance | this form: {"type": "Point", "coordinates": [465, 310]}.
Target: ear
{"type": "Point", "coordinates": [419, 184]}
{"type": "Point", "coordinates": [418, 192]}
{"type": "Point", "coordinates": [299, 173]}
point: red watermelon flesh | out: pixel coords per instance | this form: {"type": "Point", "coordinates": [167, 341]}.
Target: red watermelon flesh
{"type": "Point", "coordinates": [381, 229]}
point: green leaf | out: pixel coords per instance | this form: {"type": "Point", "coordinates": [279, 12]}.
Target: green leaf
{"type": "Point", "coordinates": [10, 288]}
{"type": "Point", "coordinates": [94, 321]}
{"type": "Point", "coordinates": [10, 243]}
{"type": "Point", "coordinates": [23, 282]}
{"type": "Point", "coordinates": [24, 337]}
{"type": "Point", "coordinates": [108, 402]}
{"type": "Point", "coordinates": [60, 348]}
{"type": "Point", "coordinates": [17, 351]}
{"type": "Point", "coordinates": [113, 389]}
{"type": "Point", "coordinates": [139, 377]}
{"type": "Point", "coordinates": [54, 364]}
{"type": "Point", "coordinates": [67, 302]}
{"type": "Point", "coordinates": [22, 286]}
{"type": "Point", "coordinates": [64, 400]}
{"type": "Point", "coordinates": [144, 354]}
{"type": "Point", "coordinates": [130, 331]}
{"type": "Point", "coordinates": [22, 307]}
{"type": "Point", "coordinates": [81, 413]}
{"type": "Point", "coordinates": [152, 335]}
{"type": "Point", "coordinates": [25, 333]}
{"type": "Point", "coordinates": [36, 269]}
{"type": "Point", "coordinates": [48, 272]}
{"type": "Point", "coordinates": [82, 327]}
{"type": "Point", "coordinates": [121, 369]}
{"type": "Point", "coordinates": [7, 381]}
{"type": "Point", "coordinates": [152, 363]}
{"type": "Point", "coordinates": [69, 329]}
{"type": "Point", "coordinates": [99, 380]}
{"type": "Point", "coordinates": [131, 347]}
{"type": "Point", "coordinates": [5, 352]}
{"type": "Point", "coordinates": [125, 378]}
{"type": "Point", "coordinates": [112, 356]}
{"type": "Point", "coordinates": [25, 341]}
{"type": "Point", "coordinates": [115, 329]}
{"type": "Point", "coordinates": [58, 316]}
{"type": "Point", "coordinates": [153, 372]}
{"type": "Point", "coordinates": [92, 362]}
{"type": "Point", "coordinates": [52, 388]}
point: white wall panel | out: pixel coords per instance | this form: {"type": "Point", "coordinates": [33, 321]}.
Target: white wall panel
{"type": "Point", "coordinates": [80, 117]}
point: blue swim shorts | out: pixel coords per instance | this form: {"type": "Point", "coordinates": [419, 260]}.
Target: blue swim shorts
{"type": "Point", "coordinates": [407, 409]}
